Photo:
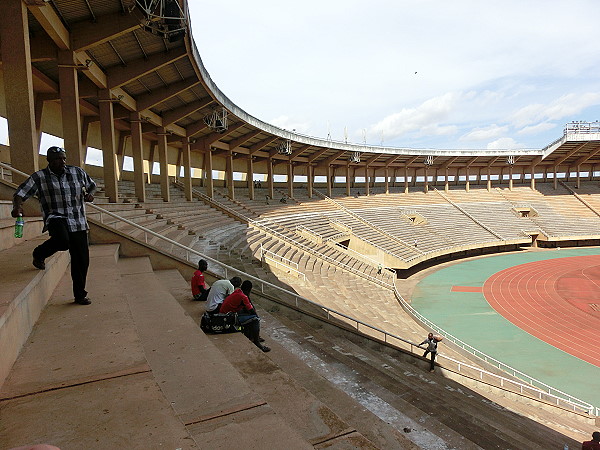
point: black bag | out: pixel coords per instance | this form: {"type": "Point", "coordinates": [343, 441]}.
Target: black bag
{"type": "Point", "coordinates": [219, 323]}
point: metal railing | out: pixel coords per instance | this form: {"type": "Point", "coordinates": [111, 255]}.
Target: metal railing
{"type": "Point", "coordinates": [279, 260]}
{"type": "Point", "coordinates": [544, 393]}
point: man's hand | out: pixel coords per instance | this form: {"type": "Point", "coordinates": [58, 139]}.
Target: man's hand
{"type": "Point", "coordinates": [88, 197]}
{"type": "Point", "coordinates": [17, 207]}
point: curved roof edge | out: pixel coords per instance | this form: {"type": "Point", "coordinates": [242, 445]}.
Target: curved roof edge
{"type": "Point", "coordinates": [337, 145]}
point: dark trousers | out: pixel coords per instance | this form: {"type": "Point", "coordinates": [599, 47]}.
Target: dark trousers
{"type": "Point", "coordinates": [76, 242]}
{"type": "Point", "coordinates": [432, 364]}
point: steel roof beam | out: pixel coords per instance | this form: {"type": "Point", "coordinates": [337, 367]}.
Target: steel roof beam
{"type": "Point", "coordinates": [110, 26]}
{"type": "Point", "coordinates": [176, 114]}
{"type": "Point", "coordinates": [157, 96]}
{"type": "Point", "coordinates": [118, 76]}
{"type": "Point", "coordinates": [51, 24]}
{"type": "Point", "coordinates": [244, 138]}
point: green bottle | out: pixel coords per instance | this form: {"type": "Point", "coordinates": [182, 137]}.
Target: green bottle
{"type": "Point", "coordinates": [19, 227]}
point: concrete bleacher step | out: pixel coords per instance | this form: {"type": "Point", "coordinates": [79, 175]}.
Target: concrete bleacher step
{"type": "Point", "coordinates": [303, 411]}
{"type": "Point", "coordinates": [430, 403]}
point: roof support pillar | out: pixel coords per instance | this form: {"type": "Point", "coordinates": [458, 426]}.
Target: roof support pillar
{"type": "Point", "coordinates": [270, 178]}
{"type": "Point", "coordinates": [387, 180]}
{"type": "Point", "coordinates": [164, 164]}
{"type": "Point", "coordinates": [532, 178]}
{"type": "Point", "coordinates": [187, 169]}
{"type": "Point", "coordinates": [138, 156]}
{"type": "Point", "coordinates": [555, 179]}
{"type": "Point", "coordinates": [406, 179]}
{"type": "Point", "coordinates": [18, 87]}
{"type": "Point", "coordinates": [107, 135]}
{"type": "Point", "coordinates": [446, 182]}
{"type": "Point", "coordinates": [69, 105]}
{"type": "Point", "coordinates": [330, 181]}
{"type": "Point", "coordinates": [208, 171]}
{"type": "Point", "coordinates": [425, 181]}
{"type": "Point", "coordinates": [578, 177]}
{"type": "Point", "coordinates": [250, 176]}
{"type": "Point", "coordinates": [310, 171]}
{"type": "Point", "coordinates": [290, 179]}
{"type": "Point", "coordinates": [467, 180]}
{"type": "Point", "coordinates": [348, 179]}
{"type": "Point", "coordinates": [489, 179]}
{"type": "Point", "coordinates": [229, 175]}
{"type": "Point", "coordinates": [366, 180]}
{"type": "Point", "coordinates": [510, 178]}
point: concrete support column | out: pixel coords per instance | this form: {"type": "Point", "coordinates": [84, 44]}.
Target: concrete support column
{"type": "Point", "coordinates": [414, 182]}
{"type": "Point", "coordinates": [578, 183]}
{"type": "Point", "coordinates": [18, 87]}
{"type": "Point", "coordinates": [387, 180]}
{"type": "Point", "coordinates": [270, 181]}
{"type": "Point", "coordinates": [467, 180]}
{"type": "Point", "coordinates": [250, 176]}
{"type": "Point", "coordinates": [406, 179]}
{"type": "Point", "coordinates": [310, 175]}
{"type": "Point", "coordinates": [290, 179]}
{"type": "Point", "coordinates": [138, 156]}
{"type": "Point", "coordinates": [109, 151]}
{"type": "Point", "coordinates": [555, 179]}
{"type": "Point", "coordinates": [208, 172]}
{"type": "Point", "coordinates": [329, 181]}
{"type": "Point", "coordinates": [39, 112]}
{"type": "Point", "coordinates": [348, 180]}
{"type": "Point", "coordinates": [446, 182]}
{"type": "Point", "coordinates": [510, 178]}
{"type": "Point", "coordinates": [425, 181]}
{"type": "Point", "coordinates": [69, 105]}
{"type": "Point", "coordinates": [367, 186]}
{"type": "Point", "coordinates": [187, 169]}
{"type": "Point", "coordinates": [164, 164]}
{"type": "Point", "coordinates": [489, 180]}
{"type": "Point", "coordinates": [532, 178]}
{"type": "Point", "coordinates": [229, 175]}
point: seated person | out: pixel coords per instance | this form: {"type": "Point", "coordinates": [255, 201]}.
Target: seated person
{"type": "Point", "coordinates": [219, 290]}
{"type": "Point", "coordinates": [283, 200]}
{"type": "Point", "coordinates": [199, 288]}
{"type": "Point", "coordinates": [239, 302]}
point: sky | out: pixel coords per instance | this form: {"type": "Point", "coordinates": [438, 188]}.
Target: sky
{"type": "Point", "coordinates": [459, 74]}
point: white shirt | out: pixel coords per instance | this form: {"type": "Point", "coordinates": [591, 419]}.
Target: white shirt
{"type": "Point", "coordinates": [219, 290]}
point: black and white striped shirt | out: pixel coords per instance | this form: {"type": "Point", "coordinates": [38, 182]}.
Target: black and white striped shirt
{"type": "Point", "coordinates": [61, 196]}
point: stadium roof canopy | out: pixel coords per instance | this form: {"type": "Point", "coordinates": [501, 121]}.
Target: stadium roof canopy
{"type": "Point", "coordinates": [143, 53]}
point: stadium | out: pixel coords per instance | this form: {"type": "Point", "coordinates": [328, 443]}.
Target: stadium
{"type": "Point", "coordinates": [356, 252]}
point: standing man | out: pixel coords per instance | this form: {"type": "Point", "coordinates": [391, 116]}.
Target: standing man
{"type": "Point", "coordinates": [594, 444]}
{"type": "Point", "coordinates": [62, 191]}
{"type": "Point", "coordinates": [432, 342]}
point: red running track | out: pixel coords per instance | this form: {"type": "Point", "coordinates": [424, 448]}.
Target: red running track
{"type": "Point", "coordinates": [556, 300]}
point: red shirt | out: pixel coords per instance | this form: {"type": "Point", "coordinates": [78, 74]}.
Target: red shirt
{"type": "Point", "coordinates": [590, 445]}
{"type": "Point", "coordinates": [197, 282]}
{"type": "Point", "coordinates": [236, 301]}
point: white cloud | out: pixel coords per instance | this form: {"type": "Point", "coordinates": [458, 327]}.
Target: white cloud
{"type": "Point", "coordinates": [289, 124]}
{"type": "Point", "coordinates": [539, 128]}
{"type": "Point", "coordinates": [426, 116]}
{"type": "Point", "coordinates": [505, 143]}
{"type": "Point", "coordinates": [560, 108]}
{"type": "Point", "coordinates": [485, 134]}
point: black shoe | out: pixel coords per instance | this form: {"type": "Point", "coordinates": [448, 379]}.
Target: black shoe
{"type": "Point", "coordinates": [261, 339]}
{"type": "Point", "coordinates": [83, 301]}
{"type": "Point", "coordinates": [39, 263]}
{"type": "Point", "coordinates": [264, 348]}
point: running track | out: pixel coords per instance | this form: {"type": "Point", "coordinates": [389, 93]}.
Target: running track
{"type": "Point", "coordinates": [555, 300]}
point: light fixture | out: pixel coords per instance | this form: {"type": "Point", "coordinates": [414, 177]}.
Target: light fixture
{"type": "Point", "coordinates": [354, 157]}
{"type": "Point", "coordinates": [284, 147]}
{"type": "Point", "coordinates": [163, 18]}
{"type": "Point", "coordinates": [510, 160]}
{"type": "Point", "coordinates": [217, 120]}
{"type": "Point", "coordinates": [428, 160]}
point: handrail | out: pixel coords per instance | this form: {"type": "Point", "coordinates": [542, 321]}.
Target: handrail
{"type": "Point", "coordinates": [365, 221]}
{"type": "Point", "coordinates": [387, 337]}
{"type": "Point", "coordinates": [469, 215]}
{"type": "Point", "coordinates": [264, 223]}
